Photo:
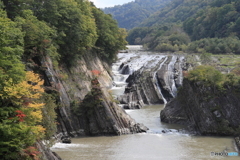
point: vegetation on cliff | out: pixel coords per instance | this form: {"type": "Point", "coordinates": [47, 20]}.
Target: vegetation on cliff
{"type": "Point", "coordinates": [208, 102]}
{"type": "Point", "coordinates": [63, 30]}
{"type": "Point", "coordinates": [209, 76]}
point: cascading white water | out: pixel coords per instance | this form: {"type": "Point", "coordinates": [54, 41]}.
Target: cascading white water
{"type": "Point", "coordinates": [118, 80]}
{"type": "Point", "coordinates": [135, 61]}
{"type": "Point", "coordinates": [170, 73]}
{"type": "Point", "coordinates": [156, 80]}
{"type": "Point", "coordinates": [180, 70]}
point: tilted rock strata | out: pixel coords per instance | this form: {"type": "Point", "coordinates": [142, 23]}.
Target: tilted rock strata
{"type": "Point", "coordinates": [205, 109]}
{"type": "Point", "coordinates": [73, 84]}
{"type": "Point", "coordinates": [144, 85]}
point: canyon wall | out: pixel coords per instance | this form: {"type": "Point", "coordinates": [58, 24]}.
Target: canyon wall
{"type": "Point", "coordinates": [72, 86]}
{"type": "Point", "coordinates": [206, 110]}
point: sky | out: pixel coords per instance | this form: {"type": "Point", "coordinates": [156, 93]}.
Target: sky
{"type": "Point", "coordinates": [109, 3]}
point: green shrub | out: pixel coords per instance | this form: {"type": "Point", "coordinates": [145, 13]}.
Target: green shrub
{"type": "Point", "coordinates": [207, 74]}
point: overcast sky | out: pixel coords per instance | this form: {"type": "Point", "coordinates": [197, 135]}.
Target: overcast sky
{"type": "Point", "coordinates": [109, 3]}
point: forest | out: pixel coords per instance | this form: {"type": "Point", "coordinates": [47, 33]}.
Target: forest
{"type": "Point", "coordinates": [132, 14]}
{"type": "Point", "coordinates": [195, 26]}
{"type": "Point", "coordinates": [64, 30]}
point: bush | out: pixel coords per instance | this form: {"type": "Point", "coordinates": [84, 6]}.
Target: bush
{"type": "Point", "coordinates": [207, 74]}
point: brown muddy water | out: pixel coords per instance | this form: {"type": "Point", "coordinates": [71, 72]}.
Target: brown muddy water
{"type": "Point", "coordinates": [153, 145]}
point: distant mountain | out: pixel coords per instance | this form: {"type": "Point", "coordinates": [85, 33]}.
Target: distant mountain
{"type": "Point", "coordinates": [176, 12]}
{"type": "Point", "coordinates": [197, 26]}
{"type": "Point", "coordinates": [133, 13]}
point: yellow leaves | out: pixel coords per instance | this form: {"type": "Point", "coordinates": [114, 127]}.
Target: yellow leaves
{"type": "Point", "coordinates": [26, 96]}
{"type": "Point", "coordinates": [36, 115]}
{"type": "Point", "coordinates": [30, 88]}
{"type": "Point", "coordinates": [38, 130]}
{"type": "Point", "coordinates": [34, 83]}
{"type": "Point", "coordinates": [36, 105]}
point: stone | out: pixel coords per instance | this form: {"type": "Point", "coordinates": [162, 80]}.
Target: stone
{"type": "Point", "coordinates": [142, 127]}
{"type": "Point", "coordinates": [66, 139]}
{"type": "Point", "coordinates": [216, 115]}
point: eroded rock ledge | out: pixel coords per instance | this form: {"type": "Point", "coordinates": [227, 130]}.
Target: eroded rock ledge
{"type": "Point", "coordinates": [205, 110]}
{"type": "Point", "coordinates": [156, 82]}
{"type": "Point", "coordinates": [73, 85]}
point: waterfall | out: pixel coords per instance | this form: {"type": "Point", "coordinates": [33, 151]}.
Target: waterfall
{"type": "Point", "coordinates": [165, 74]}
{"type": "Point", "coordinates": [171, 80]}
{"type": "Point", "coordinates": [156, 81]}
{"type": "Point", "coordinates": [180, 76]}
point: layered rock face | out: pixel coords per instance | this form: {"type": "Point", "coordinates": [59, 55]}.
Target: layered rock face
{"type": "Point", "coordinates": [153, 79]}
{"type": "Point", "coordinates": [205, 109]}
{"type": "Point", "coordinates": [72, 86]}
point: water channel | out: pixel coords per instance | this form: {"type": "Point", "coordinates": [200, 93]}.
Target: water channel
{"type": "Point", "coordinates": [153, 145]}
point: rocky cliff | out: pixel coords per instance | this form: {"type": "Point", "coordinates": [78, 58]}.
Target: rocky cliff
{"type": "Point", "coordinates": [153, 80]}
{"type": "Point", "coordinates": [74, 87]}
{"type": "Point", "coordinates": [206, 110]}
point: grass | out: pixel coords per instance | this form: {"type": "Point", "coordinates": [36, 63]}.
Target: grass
{"type": "Point", "coordinates": [228, 60]}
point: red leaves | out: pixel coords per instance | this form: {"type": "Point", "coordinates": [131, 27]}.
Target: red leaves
{"type": "Point", "coordinates": [32, 152]}
{"type": "Point", "coordinates": [20, 115]}
{"type": "Point", "coordinates": [96, 72]}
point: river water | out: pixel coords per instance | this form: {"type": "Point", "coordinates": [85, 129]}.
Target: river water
{"type": "Point", "coordinates": [176, 144]}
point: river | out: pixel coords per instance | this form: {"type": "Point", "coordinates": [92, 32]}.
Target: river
{"type": "Point", "coordinates": [176, 144]}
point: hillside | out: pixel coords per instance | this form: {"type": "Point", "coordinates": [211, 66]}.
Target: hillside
{"type": "Point", "coordinates": [133, 13]}
{"type": "Point", "coordinates": [176, 11]}
{"type": "Point", "coordinates": [191, 26]}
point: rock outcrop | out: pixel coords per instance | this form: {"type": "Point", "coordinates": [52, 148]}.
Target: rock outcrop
{"type": "Point", "coordinates": [46, 153]}
{"type": "Point", "coordinates": [237, 140]}
{"type": "Point", "coordinates": [155, 82]}
{"type": "Point", "coordinates": [73, 85]}
{"type": "Point", "coordinates": [206, 110]}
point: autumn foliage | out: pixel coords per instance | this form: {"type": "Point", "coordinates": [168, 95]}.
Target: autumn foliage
{"type": "Point", "coordinates": [96, 72]}
{"type": "Point", "coordinates": [21, 116]}
{"type": "Point", "coordinates": [32, 152]}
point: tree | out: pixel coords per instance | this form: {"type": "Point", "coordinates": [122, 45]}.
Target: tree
{"type": "Point", "coordinates": [11, 50]}
{"type": "Point", "coordinates": [15, 7]}
{"type": "Point", "coordinates": [110, 37]}
{"type": "Point", "coordinates": [73, 20]}
{"type": "Point", "coordinates": [21, 116]}
{"type": "Point", "coordinates": [38, 38]}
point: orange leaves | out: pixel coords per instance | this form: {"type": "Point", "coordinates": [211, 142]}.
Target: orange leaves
{"type": "Point", "coordinates": [96, 72]}
{"type": "Point", "coordinates": [32, 152]}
